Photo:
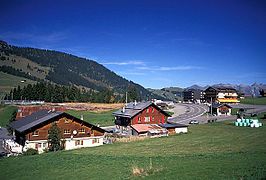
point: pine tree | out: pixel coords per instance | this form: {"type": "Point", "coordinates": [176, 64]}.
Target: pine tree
{"type": "Point", "coordinates": [54, 138]}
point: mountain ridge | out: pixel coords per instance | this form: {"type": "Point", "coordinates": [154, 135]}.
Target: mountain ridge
{"type": "Point", "coordinates": [66, 69]}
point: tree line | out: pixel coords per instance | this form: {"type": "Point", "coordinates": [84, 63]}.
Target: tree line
{"type": "Point", "coordinates": [56, 93]}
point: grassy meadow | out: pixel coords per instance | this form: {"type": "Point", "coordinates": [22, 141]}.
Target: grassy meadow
{"type": "Point", "coordinates": [8, 82]}
{"type": "Point", "coordinates": [6, 113]}
{"type": "Point", "coordinates": [104, 118]}
{"type": "Point", "coordinates": [209, 151]}
{"type": "Point", "coordinates": [257, 100]}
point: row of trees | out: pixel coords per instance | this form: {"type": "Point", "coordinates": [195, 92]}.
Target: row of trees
{"type": "Point", "coordinates": [55, 93]}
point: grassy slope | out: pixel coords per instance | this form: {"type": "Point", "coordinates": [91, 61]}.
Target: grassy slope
{"type": "Point", "coordinates": [8, 82]}
{"type": "Point", "coordinates": [6, 114]}
{"type": "Point", "coordinates": [258, 101]}
{"type": "Point", "coordinates": [211, 151]}
{"type": "Point", "coordinates": [101, 118]}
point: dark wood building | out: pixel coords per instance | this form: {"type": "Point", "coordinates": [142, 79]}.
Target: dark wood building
{"type": "Point", "coordinates": [263, 92]}
{"type": "Point", "coordinates": [193, 95]}
{"type": "Point", "coordinates": [140, 113]}
{"type": "Point", "coordinates": [32, 131]}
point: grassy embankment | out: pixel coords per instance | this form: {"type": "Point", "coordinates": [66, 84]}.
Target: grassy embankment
{"type": "Point", "coordinates": [255, 101]}
{"type": "Point", "coordinates": [210, 151]}
{"type": "Point", "coordinates": [102, 118]}
{"type": "Point", "coordinates": [6, 113]}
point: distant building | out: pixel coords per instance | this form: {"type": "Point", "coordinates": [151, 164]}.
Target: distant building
{"type": "Point", "coordinates": [32, 131]}
{"type": "Point", "coordinates": [263, 92]}
{"type": "Point", "coordinates": [193, 95]}
{"type": "Point", "coordinates": [140, 113]}
{"type": "Point", "coordinates": [221, 109]}
{"type": "Point", "coordinates": [221, 95]}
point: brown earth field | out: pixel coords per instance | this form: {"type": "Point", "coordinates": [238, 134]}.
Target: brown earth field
{"type": "Point", "coordinates": [96, 107]}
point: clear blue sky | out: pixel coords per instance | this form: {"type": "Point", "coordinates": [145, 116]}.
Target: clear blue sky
{"type": "Point", "coordinates": [153, 43]}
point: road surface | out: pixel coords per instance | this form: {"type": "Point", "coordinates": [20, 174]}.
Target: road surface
{"type": "Point", "coordinates": [187, 112]}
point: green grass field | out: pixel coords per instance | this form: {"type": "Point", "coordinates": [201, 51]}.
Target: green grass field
{"type": "Point", "coordinates": [210, 151]}
{"type": "Point", "coordinates": [6, 114]}
{"type": "Point", "coordinates": [8, 82]}
{"type": "Point", "coordinates": [258, 101]}
{"type": "Point", "coordinates": [101, 118]}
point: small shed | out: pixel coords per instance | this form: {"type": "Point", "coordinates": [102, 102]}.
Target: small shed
{"type": "Point", "coordinates": [152, 130]}
{"type": "Point", "coordinates": [175, 128]}
{"type": "Point", "coordinates": [221, 109]}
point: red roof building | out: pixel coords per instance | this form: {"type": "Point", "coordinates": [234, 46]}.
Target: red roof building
{"type": "Point", "coordinates": [140, 113]}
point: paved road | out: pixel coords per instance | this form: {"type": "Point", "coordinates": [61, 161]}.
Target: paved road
{"type": "Point", "coordinates": [195, 112]}
{"type": "Point", "coordinates": [192, 111]}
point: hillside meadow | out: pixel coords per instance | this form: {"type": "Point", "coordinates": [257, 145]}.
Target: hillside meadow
{"type": "Point", "coordinates": [210, 151]}
{"type": "Point", "coordinates": [257, 100]}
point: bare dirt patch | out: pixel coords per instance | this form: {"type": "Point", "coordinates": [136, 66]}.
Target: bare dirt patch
{"type": "Point", "coordinates": [95, 107]}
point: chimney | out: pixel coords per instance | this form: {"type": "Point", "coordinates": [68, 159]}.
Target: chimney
{"type": "Point", "coordinates": [135, 103]}
{"type": "Point", "coordinates": [123, 110]}
{"type": "Point", "coordinates": [81, 117]}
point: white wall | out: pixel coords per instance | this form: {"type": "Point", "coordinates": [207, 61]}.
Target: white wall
{"type": "Point", "coordinates": [181, 130]}
{"type": "Point", "coordinates": [69, 143]}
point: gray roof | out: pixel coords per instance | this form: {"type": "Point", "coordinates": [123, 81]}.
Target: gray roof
{"type": "Point", "coordinates": [219, 105]}
{"type": "Point", "coordinates": [133, 109]}
{"type": "Point", "coordinates": [175, 125]}
{"type": "Point", "coordinates": [33, 120]}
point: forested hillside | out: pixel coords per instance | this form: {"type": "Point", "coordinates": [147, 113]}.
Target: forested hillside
{"type": "Point", "coordinates": [65, 69]}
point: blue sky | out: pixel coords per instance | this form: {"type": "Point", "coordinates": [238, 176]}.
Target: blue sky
{"type": "Point", "coordinates": [154, 43]}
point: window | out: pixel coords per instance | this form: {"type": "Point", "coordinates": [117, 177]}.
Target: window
{"type": "Point", "coordinates": [95, 141]}
{"type": "Point", "coordinates": [82, 131]}
{"type": "Point", "coordinates": [39, 145]}
{"type": "Point", "coordinates": [152, 110]}
{"type": "Point", "coordinates": [139, 119]}
{"type": "Point", "coordinates": [44, 145]}
{"type": "Point", "coordinates": [66, 131]}
{"type": "Point", "coordinates": [77, 142]}
{"type": "Point", "coordinates": [35, 133]}
{"type": "Point", "coordinates": [147, 110]}
{"type": "Point", "coordinates": [147, 119]}
{"type": "Point", "coordinates": [152, 118]}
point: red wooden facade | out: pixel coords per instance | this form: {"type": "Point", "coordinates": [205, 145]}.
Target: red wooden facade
{"type": "Point", "coordinates": [150, 115]}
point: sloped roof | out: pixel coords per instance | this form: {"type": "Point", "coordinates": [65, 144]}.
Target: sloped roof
{"type": "Point", "coordinates": [219, 105]}
{"type": "Point", "coordinates": [40, 117]}
{"type": "Point", "coordinates": [143, 128]}
{"type": "Point", "coordinates": [175, 125]}
{"type": "Point", "coordinates": [33, 120]}
{"type": "Point", "coordinates": [133, 109]}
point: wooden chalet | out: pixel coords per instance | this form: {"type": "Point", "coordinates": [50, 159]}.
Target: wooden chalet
{"type": "Point", "coordinates": [32, 131]}
{"type": "Point", "coordinates": [221, 109]}
{"type": "Point", "coordinates": [140, 113]}
{"type": "Point", "coordinates": [221, 95]}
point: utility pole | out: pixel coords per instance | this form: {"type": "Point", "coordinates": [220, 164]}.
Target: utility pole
{"type": "Point", "coordinates": [211, 105]}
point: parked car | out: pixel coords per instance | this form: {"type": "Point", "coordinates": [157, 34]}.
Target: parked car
{"type": "Point", "coordinates": [193, 122]}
